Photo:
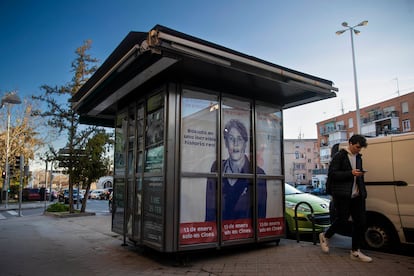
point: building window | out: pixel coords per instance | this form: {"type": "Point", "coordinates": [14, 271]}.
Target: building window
{"type": "Point", "coordinates": [340, 125]}
{"type": "Point", "coordinates": [406, 125]}
{"type": "Point", "coordinates": [351, 122]}
{"type": "Point", "coordinates": [404, 107]}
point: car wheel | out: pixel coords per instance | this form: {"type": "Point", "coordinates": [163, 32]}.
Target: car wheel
{"type": "Point", "coordinates": [379, 235]}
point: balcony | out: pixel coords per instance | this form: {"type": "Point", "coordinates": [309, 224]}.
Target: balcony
{"type": "Point", "coordinates": [320, 171]}
{"type": "Point", "coordinates": [379, 115]}
{"type": "Point", "coordinates": [329, 130]}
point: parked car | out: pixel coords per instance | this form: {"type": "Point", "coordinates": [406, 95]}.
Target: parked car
{"type": "Point", "coordinates": [319, 205]}
{"type": "Point", "coordinates": [75, 195]}
{"type": "Point", "coordinates": [52, 196]}
{"type": "Point", "coordinates": [304, 188]}
{"type": "Point", "coordinates": [96, 194]}
{"type": "Point", "coordinates": [30, 194]}
{"type": "Point", "coordinates": [64, 196]}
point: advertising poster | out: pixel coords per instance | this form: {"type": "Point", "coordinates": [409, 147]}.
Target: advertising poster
{"type": "Point", "coordinates": [153, 210]}
{"type": "Point", "coordinates": [198, 134]}
{"type": "Point", "coordinates": [198, 204]}
{"type": "Point", "coordinates": [118, 206]}
{"type": "Point", "coordinates": [237, 193]}
{"type": "Point", "coordinates": [268, 157]}
{"type": "Point", "coordinates": [120, 144]}
{"type": "Point", "coordinates": [268, 141]}
{"type": "Point", "coordinates": [198, 152]}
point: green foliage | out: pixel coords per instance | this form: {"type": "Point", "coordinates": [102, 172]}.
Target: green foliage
{"type": "Point", "coordinates": [60, 115]}
{"type": "Point", "coordinates": [58, 207]}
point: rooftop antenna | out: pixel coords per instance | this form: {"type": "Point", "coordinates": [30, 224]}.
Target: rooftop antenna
{"type": "Point", "coordinates": [398, 87]}
{"type": "Point", "coordinates": [300, 134]}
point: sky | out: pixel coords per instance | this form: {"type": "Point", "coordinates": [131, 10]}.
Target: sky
{"type": "Point", "coordinates": [39, 39]}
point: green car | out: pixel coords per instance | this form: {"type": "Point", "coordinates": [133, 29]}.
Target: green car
{"type": "Point", "coordinates": [320, 208]}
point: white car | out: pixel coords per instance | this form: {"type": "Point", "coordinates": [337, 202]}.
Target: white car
{"type": "Point", "coordinates": [96, 194]}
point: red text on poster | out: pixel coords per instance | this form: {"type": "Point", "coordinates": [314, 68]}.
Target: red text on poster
{"type": "Point", "coordinates": [270, 227]}
{"type": "Point", "coordinates": [198, 232]}
{"type": "Point", "coordinates": [237, 229]}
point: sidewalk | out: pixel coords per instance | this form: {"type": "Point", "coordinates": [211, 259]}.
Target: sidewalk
{"type": "Point", "coordinates": [14, 205]}
{"type": "Point", "coordinates": [43, 245]}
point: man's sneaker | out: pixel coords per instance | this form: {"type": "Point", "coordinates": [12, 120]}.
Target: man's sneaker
{"type": "Point", "coordinates": [324, 243]}
{"type": "Point", "coordinates": [358, 256]}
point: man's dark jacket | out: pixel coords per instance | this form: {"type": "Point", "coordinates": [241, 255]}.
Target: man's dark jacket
{"type": "Point", "coordinates": [340, 177]}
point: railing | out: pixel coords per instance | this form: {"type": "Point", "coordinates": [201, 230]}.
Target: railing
{"type": "Point", "coordinates": [319, 171]}
{"type": "Point", "coordinates": [380, 115]}
{"type": "Point", "coordinates": [312, 219]}
{"type": "Point", "coordinates": [328, 130]}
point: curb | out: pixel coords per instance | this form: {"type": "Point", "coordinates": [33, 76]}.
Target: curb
{"type": "Point", "coordinates": [68, 215]}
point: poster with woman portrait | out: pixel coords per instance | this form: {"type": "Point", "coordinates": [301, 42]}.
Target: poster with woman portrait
{"type": "Point", "coordinates": [237, 192]}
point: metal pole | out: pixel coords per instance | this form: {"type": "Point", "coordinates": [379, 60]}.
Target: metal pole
{"type": "Point", "coordinates": [50, 181]}
{"type": "Point", "coordinates": [358, 115]}
{"type": "Point", "coordinates": [7, 178]}
{"type": "Point", "coordinates": [21, 183]}
{"type": "Point", "coordinates": [44, 196]}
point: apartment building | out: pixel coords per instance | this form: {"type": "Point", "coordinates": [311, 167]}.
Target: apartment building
{"type": "Point", "coordinates": [392, 116]}
{"type": "Point", "coordinates": [301, 158]}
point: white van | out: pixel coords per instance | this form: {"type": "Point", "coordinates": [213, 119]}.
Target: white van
{"type": "Point", "coordinates": [389, 161]}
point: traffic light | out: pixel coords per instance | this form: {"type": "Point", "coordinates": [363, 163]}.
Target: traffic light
{"type": "Point", "coordinates": [17, 163]}
{"type": "Point", "coordinates": [3, 174]}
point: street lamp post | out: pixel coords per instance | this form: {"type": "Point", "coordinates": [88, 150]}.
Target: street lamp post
{"type": "Point", "coordinates": [9, 98]}
{"type": "Point", "coordinates": [352, 30]}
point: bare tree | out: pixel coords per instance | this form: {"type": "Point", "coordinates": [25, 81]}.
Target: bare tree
{"type": "Point", "coordinates": [24, 137]}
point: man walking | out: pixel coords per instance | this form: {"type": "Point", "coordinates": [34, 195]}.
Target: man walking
{"type": "Point", "coordinates": [347, 187]}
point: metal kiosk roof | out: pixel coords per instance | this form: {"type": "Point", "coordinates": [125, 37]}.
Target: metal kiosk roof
{"type": "Point", "coordinates": [163, 54]}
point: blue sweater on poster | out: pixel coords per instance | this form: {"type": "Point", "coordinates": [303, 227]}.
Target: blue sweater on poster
{"type": "Point", "coordinates": [236, 198]}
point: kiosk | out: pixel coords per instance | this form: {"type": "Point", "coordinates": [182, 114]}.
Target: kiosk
{"type": "Point", "coordinates": [198, 158]}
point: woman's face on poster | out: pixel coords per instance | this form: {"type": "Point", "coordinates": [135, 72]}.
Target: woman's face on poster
{"type": "Point", "coordinates": [236, 145]}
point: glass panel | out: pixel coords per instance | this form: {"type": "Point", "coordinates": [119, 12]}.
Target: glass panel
{"type": "Point", "coordinates": [153, 210]}
{"type": "Point", "coordinates": [129, 211]}
{"type": "Point", "coordinates": [137, 210]}
{"type": "Point", "coordinates": [120, 144]}
{"type": "Point", "coordinates": [154, 142]}
{"type": "Point", "coordinates": [237, 195]}
{"type": "Point", "coordinates": [268, 140]}
{"type": "Point", "coordinates": [155, 127]}
{"type": "Point", "coordinates": [273, 223]}
{"type": "Point", "coordinates": [198, 132]}
{"type": "Point", "coordinates": [131, 141]}
{"type": "Point", "coordinates": [121, 129]}
{"type": "Point", "coordinates": [237, 209]}
{"type": "Point", "coordinates": [195, 227]}
{"type": "Point", "coordinates": [236, 134]}
{"type": "Point", "coordinates": [198, 154]}
{"type": "Point", "coordinates": [118, 206]}
{"type": "Point", "coordinates": [140, 134]}
{"type": "Point", "coordinates": [154, 159]}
